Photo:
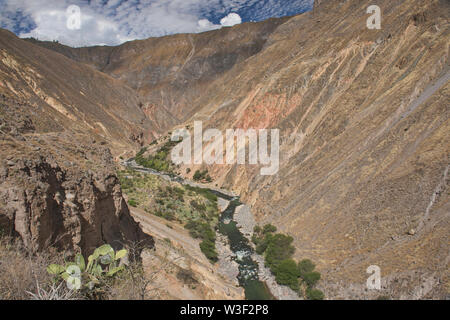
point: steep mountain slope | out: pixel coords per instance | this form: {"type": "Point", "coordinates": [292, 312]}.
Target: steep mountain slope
{"type": "Point", "coordinates": [364, 121]}
{"type": "Point", "coordinates": [57, 119]}
{"type": "Point", "coordinates": [73, 95]}
{"type": "Point", "coordinates": [171, 72]}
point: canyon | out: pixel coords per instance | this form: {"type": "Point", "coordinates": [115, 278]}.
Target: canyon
{"type": "Point", "coordinates": [363, 117]}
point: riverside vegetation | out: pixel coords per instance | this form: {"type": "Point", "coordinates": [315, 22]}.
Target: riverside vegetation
{"type": "Point", "coordinates": [278, 250]}
{"type": "Point", "coordinates": [159, 161]}
{"type": "Point", "coordinates": [194, 207]}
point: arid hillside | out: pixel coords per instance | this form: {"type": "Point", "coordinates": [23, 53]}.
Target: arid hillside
{"type": "Point", "coordinates": [364, 122]}
{"type": "Point", "coordinates": [58, 119]}
{"type": "Point", "coordinates": [59, 188]}
{"type": "Point", "coordinates": [363, 118]}
{"type": "Point", "coordinates": [172, 72]}
{"type": "Point", "coordinates": [71, 95]}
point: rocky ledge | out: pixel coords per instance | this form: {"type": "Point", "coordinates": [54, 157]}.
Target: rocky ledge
{"type": "Point", "coordinates": [49, 202]}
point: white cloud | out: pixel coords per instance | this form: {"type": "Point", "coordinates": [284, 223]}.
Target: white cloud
{"type": "Point", "coordinates": [116, 21]}
{"type": "Point", "coordinates": [231, 20]}
{"type": "Point", "coordinates": [205, 25]}
{"type": "Point", "coordinates": [51, 24]}
{"type": "Point", "coordinates": [227, 21]}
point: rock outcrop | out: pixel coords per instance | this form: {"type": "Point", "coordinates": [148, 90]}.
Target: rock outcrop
{"type": "Point", "coordinates": [59, 189]}
{"type": "Point", "coordinates": [47, 205]}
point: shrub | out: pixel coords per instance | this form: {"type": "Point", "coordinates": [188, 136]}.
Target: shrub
{"type": "Point", "coordinates": [125, 183]}
{"type": "Point", "coordinates": [132, 202]}
{"type": "Point", "coordinates": [204, 231]}
{"type": "Point", "coordinates": [209, 250]}
{"type": "Point", "coordinates": [287, 274]}
{"type": "Point", "coordinates": [179, 191]}
{"type": "Point", "coordinates": [314, 294]}
{"type": "Point", "coordinates": [278, 249]}
{"type": "Point", "coordinates": [198, 206]}
{"type": "Point", "coordinates": [268, 228]}
{"type": "Point", "coordinates": [311, 278]}
{"type": "Point", "coordinates": [22, 273]}
{"type": "Point", "coordinates": [102, 264]}
{"type": "Point", "coordinates": [305, 266]}
{"type": "Point", "coordinates": [168, 215]}
{"type": "Point", "coordinates": [141, 152]}
{"type": "Point", "coordinates": [187, 276]}
{"type": "Point", "coordinates": [197, 175]}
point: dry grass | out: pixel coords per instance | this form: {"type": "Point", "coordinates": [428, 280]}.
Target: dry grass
{"type": "Point", "coordinates": [135, 283]}
{"type": "Point", "coordinates": [22, 272]}
{"type": "Point", "coordinates": [23, 276]}
{"type": "Point", "coordinates": [54, 292]}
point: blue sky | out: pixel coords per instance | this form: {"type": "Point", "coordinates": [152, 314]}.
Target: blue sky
{"type": "Point", "coordinates": [111, 22]}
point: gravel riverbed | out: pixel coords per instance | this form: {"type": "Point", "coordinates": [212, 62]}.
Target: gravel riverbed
{"type": "Point", "coordinates": [246, 222]}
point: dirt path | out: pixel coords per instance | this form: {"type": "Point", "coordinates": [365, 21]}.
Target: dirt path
{"type": "Point", "coordinates": [176, 250]}
{"type": "Point", "coordinates": [159, 228]}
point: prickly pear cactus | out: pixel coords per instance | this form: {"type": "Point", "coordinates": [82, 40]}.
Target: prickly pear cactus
{"type": "Point", "coordinates": [104, 262]}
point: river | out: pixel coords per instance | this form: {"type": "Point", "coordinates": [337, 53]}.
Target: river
{"type": "Point", "coordinates": [248, 276]}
